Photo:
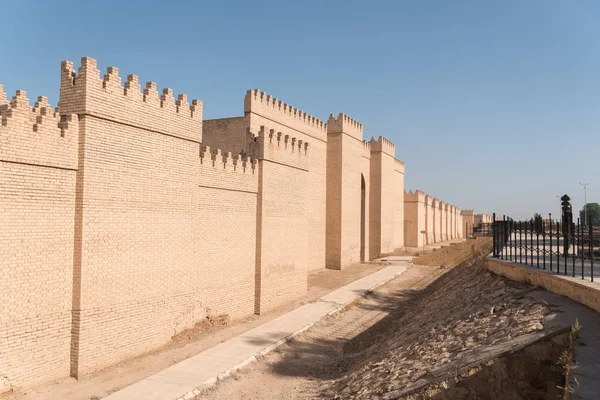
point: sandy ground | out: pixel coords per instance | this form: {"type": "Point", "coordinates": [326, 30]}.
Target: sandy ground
{"type": "Point", "coordinates": [298, 369]}
{"type": "Point", "coordinates": [102, 383]}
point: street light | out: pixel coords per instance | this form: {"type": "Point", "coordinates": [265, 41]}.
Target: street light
{"type": "Point", "coordinates": [585, 185]}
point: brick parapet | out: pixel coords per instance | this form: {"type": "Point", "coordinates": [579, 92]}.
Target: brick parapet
{"type": "Point", "coordinates": [38, 135]}
{"type": "Point", "coordinates": [84, 92]}
{"type": "Point", "coordinates": [280, 147]}
{"type": "Point", "coordinates": [3, 100]}
{"type": "Point", "coordinates": [345, 124]}
{"type": "Point", "coordinates": [383, 145]}
{"type": "Point", "coordinates": [276, 110]}
{"type": "Point", "coordinates": [416, 196]}
{"type": "Point", "coordinates": [366, 149]}
{"type": "Point", "coordinates": [220, 159]}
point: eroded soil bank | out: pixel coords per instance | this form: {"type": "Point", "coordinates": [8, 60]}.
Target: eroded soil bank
{"type": "Point", "coordinates": [458, 316]}
{"type": "Point", "coordinates": [534, 373]}
{"type": "Point", "coordinates": [414, 331]}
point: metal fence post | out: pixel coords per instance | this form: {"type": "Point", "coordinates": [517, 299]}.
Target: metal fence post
{"type": "Point", "coordinates": [580, 247]}
{"type": "Point", "coordinates": [526, 247]}
{"type": "Point", "coordinates": [537, 246]}
{"type": "Point", "coordinates": [495, 254]}
{"type": "Point", "coordinates": [510, 243]}
{"type": "Point", "coordinates": [531, 233]}
{"type": "Point", "coordinates": [550, 233]}
{"type": "Point", "coordinates": [573, 246]}
{"type": "Point", "coordinates": [591, 228]}
{"type": "Point", "coordinates": [557, 247]}
{"type": "Point", "coordinates": [543, 245]}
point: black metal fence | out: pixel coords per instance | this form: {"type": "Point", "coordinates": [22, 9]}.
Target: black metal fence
{"type": "Point", "coordinates": [568, 249]}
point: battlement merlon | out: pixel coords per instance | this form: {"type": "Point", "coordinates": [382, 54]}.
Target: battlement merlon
{"type": "Point", "coordinates": [366, 149]}
{"type": "Point", "coordinates": [85, 92]}
{"type": "Point", "coordinates": [280, 147]}
{"type": "Point", "coordinates": [345, 124]}
{"type": "Point", "coordinates": [38, 135]}
{"type": "Point", "coordinates": [3, 100]}
{"type": "Point", "coordinates": [468, 212]}
{"type": "Point", "coordinates": [276, 110]}
{"type": "Point", "coordinates": [226, 160]}
{"type": "Point", "coordinates": [416, 196]}
{"type": "Point", "coordinates": [383, 145]}
{"type": "Point", "coordinates": [436, 203]}
{"type": "Point", "coordinates": [428, 200]}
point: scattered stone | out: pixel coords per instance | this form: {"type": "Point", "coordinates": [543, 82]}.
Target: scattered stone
{"type": "Point", "coordinates": [466, 309]}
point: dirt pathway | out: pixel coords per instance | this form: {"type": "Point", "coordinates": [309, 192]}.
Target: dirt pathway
{"type": "Point", "coordinates": [296, 369]}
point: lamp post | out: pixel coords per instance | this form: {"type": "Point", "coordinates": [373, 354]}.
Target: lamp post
{"type": "Point", "coordinates": [585, 185]}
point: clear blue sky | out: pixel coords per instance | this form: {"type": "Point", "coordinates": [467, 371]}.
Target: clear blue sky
{"type": "Point", "coordinates": [493, 105]}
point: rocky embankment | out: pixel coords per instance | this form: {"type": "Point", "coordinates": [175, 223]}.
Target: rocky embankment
{"type": "Point", "coordinates": [465, 311]}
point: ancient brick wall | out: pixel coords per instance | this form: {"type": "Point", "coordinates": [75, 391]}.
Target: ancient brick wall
{"type": "Point", "coordinates": [127, 219]}
{"type": "Point", "coordinates": [436, 220]}
{"type": "Point", "coordinates": [375, 199]}
{"type": "Point", "coordinates": [262, 109]}
{"type": "Point", "coordinates": [345, 172]}
{"type": "Point", "coordinates": [414, 218]}
{"type": "Point", "coordinates": [444, 229]}
{"type": "Point", "coordinates": [468, 217]}
{"type": "Point", "coordinates": [429, 219]}
{"type": "Point", "coordinates": [151, 237]}
{"type": "Point", "coordinates": [38, 164]}
{"type": "Point", "coordinates": [387, 198]}
{"type": "Point", "coordinates": [398, 196]}
{"type": "Point", "coordinates": [364, 210]}
{"type": "Point", "coordinates": [440, 221]}
{"type": "Point", "coordinates": [451, 221]}
{"type": "Point", "coordinates": [459, 223]}
{"type": "Point", "coordinates": [282, 223]}
{"type": "Point", "coordinates": [227, 201]}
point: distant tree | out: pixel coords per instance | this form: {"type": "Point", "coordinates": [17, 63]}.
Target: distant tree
{"type": "Point", "coordinates": [593, 213]}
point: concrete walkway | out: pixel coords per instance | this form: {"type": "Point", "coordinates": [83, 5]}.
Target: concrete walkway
{"type": "Point", "coordinates": [186, 379]}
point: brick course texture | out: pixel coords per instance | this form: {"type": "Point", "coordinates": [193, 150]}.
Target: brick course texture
{"type": "Point", "coordinates": [38, 163]}
{"type": "Point", "coordinates": [127, 219]}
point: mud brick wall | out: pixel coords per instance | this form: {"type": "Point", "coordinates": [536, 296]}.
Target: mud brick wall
{"type": "Point", "coordinates": [38, 164]}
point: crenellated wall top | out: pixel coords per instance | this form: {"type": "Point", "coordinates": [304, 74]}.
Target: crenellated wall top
{"type": "Point", "coordinates": [383, 145]}
{"type": "Point", "coordinates": [38, 135]}
{"type": "Point", "coordinates": [227, 160]}
{"type": "Point", "coordinates": [272, 108]}
{"type": "Point", "coordinates": [366, 149]}
{"type": "Point", "coordinates": [85, 92]}
{"type": "Point", "coordinates": [416, 196]}
{"type": "Point", "coordinates": [345, 124]}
